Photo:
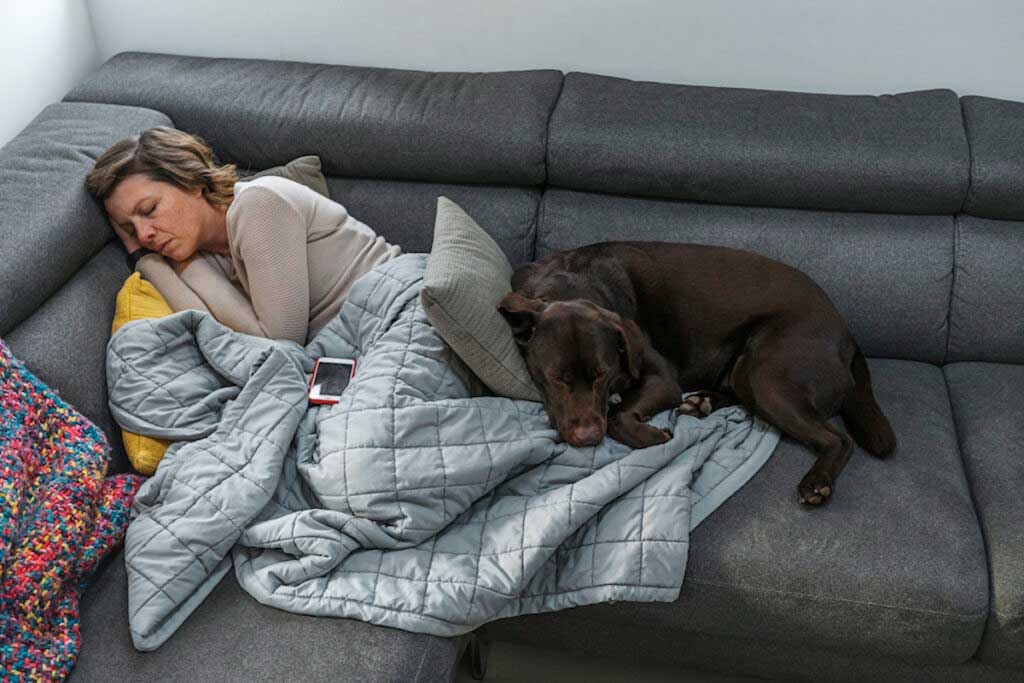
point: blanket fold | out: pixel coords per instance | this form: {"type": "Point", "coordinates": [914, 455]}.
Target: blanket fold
{"type": "Point", "coordinates": [415, 502]}
{"type": "Point", "coordinates": [60, 517]}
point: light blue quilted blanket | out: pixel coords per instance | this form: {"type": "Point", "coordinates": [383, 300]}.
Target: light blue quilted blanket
{"type": "Point", "coordinates": [415, 502]}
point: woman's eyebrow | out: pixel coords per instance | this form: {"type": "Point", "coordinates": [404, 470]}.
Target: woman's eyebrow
{"type": "Point", "coordinates": [135, 209]}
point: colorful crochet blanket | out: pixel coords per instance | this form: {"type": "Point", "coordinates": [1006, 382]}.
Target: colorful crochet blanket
{"type": "Point", "coordinates": [59, 517]}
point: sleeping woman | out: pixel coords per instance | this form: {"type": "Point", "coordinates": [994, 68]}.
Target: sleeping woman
{"type": "Point", "coordinates": [268, 257]}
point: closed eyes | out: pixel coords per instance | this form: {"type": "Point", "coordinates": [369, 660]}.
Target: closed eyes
{"type": "Point", "coordinates": [130, 228]}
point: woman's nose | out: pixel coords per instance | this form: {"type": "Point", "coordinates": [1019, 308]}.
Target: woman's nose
{"type": "Point", "coordinates": [145, 232]}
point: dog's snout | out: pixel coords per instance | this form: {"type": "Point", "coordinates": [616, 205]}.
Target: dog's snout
{"type": "Point", "coordinates": [587, 435]}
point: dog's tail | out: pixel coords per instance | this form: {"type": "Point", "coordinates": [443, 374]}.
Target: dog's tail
{"type": "Point", "coordinates": [864, 419]}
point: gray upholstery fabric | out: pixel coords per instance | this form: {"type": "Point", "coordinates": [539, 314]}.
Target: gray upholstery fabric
{"type": "Point", "coordinates": [64, 342]}
{"type": "Point", "coordinates": [889, 275]}
{"type": "Point", "coordinates": [986, 321]}
{"type": "Point", "coordinates": [987, 400]}
{"type": "Point", "coordinates": [403, 212]}
{"type": "Point", "coordinates": [759, 659]}
{"type": "Point", "coordinates": [231, 637]}
{"type": "Point", "coordinates": [46, 216]}
{"type": "Point", "coordinates": [902, 153]}
{"type": "Point", "coordinates": [893, 565]}
{"type": "Point", "coordinates": [384, 123]}
{"type": "Point", "coordinates": [995, 130]}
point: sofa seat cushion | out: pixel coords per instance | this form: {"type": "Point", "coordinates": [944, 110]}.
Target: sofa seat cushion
{"type": "Point", "coordinates": [232, 637]}
{"type": "Point", "coordinates": [893, 565]}
{"type": "Point", "coordinates": [987, 400]}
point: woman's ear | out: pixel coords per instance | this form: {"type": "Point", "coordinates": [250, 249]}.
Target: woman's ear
{"type": "Point", "coordinates": [521, 313]}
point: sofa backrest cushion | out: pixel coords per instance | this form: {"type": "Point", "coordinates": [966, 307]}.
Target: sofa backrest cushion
{"type": "Point", "coordinates": [404, 212]}
{"type": "Point", "coordinates": [889, 275]}
{"type": "Point", "coordinates": [986, 316]}
{"type": "Point", "coordinates": [904, 153]}
{"type": "Point", "coordinates": [995, 129]}
{"type": "Point", "coordinates": [362, 122]}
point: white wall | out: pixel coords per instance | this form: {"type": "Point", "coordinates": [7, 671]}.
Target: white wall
{"type": "Point", "coordinates": [46, 47]}
{"type": "Point", "coordinates": [863, 46]}
{"type": "Point", "coordinates": [870, 46]}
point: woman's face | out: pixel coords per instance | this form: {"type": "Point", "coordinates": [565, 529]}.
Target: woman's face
{"type": "Point", "coordinates": [161, 216]}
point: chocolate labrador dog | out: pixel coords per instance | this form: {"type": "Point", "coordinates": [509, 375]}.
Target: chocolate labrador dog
{"type": "Point", "coordinates": [650, 320]}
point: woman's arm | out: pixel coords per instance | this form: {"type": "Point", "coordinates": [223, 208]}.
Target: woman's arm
{"type": "Point", "coordinates": [226, 302]}
{"type": "Point", "coordinates": [178, 295]}
{"type": "Point", "coordinates": [270, 240]}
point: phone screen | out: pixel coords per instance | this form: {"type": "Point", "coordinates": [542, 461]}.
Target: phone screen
{"type": "Point", "coordinates": [330, 379]}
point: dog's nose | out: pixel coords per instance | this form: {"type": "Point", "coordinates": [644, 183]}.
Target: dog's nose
{"type": "Point", "coordinates": [587, 435]}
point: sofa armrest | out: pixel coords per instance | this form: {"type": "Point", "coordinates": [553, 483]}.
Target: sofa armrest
{"type": "Point", "coordinates": [49, 225]}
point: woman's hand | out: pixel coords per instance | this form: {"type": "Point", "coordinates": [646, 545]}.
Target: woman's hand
{"type": "Point", "coordinates": [180, 266]}
{"type": "Point", "coordinates": [131, 243]}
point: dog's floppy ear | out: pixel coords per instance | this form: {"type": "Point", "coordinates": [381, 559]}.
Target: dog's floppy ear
{"type": "Point", "coordinates": [632, 340]}
{"type": "Point", "coordinates": [521, 313]}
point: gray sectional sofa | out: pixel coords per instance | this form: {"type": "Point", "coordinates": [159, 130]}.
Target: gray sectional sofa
{"type": "Point", "coordinates": [908, 209]}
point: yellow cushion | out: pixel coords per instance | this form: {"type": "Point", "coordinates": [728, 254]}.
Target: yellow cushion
{"type": "Point", "coordinates": [139, 299]}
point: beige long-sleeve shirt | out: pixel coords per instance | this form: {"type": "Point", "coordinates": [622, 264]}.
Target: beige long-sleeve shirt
{"type": "Point", "coordinates": [295, 255]}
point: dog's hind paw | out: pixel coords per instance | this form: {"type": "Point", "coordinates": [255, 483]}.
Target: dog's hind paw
{"type": "Point", "coordinates": [696, 405]}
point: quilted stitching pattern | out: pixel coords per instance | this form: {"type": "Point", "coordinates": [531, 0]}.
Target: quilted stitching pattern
{"type": "Point", "coordinates": [415, 502]}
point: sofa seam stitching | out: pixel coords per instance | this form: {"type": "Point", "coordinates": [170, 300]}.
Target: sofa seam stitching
{"type": "Point", "coordinates": [970, 157]}
{"type": "Point", "coordinates": [547, 127]}
{"type": "Point", "coordinates": [952, 288]}
{"type": "Point", "coordinates": [974, 504]}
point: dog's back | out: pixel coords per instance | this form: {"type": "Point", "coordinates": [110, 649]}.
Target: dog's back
{"type": "Point", "coordinates": [697, 303]}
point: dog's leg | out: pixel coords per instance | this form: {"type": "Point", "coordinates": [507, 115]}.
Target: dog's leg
{"type": "Point", "coordinates": [628, 421]}
{"type": "Point", "coordinates": [764, 387]}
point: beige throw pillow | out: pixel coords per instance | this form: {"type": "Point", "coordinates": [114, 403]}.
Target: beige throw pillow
{"type": "Point", "coordinates": [467, 275]}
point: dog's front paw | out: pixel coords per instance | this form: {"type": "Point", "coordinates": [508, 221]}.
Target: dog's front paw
{"type": "Point", "coordinates": [637, 434]}
{"type": "Point", "coordinates": [815, 488]}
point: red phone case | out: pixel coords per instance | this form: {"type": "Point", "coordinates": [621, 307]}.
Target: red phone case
{"type": "Point", "coordinates": [326, 401]}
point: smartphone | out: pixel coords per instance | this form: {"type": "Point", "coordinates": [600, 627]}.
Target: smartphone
{"type": "Point", "coordinates": [330, 377]}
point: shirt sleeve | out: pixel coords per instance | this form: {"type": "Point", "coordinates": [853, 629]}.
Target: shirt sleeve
{"type": "Point", "coordinates": [226, 302]}
{"type": "Point", "coordinates": [270, 240]}
{"type": "Point", "coordinates": [178, 295]}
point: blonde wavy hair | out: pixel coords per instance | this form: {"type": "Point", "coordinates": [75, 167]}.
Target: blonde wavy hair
{"type": "Point", "coordinates": [167, 155]}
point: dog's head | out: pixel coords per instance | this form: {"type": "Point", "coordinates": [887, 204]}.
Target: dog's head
{"type": "Point", "coordinates": [578, 355]}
